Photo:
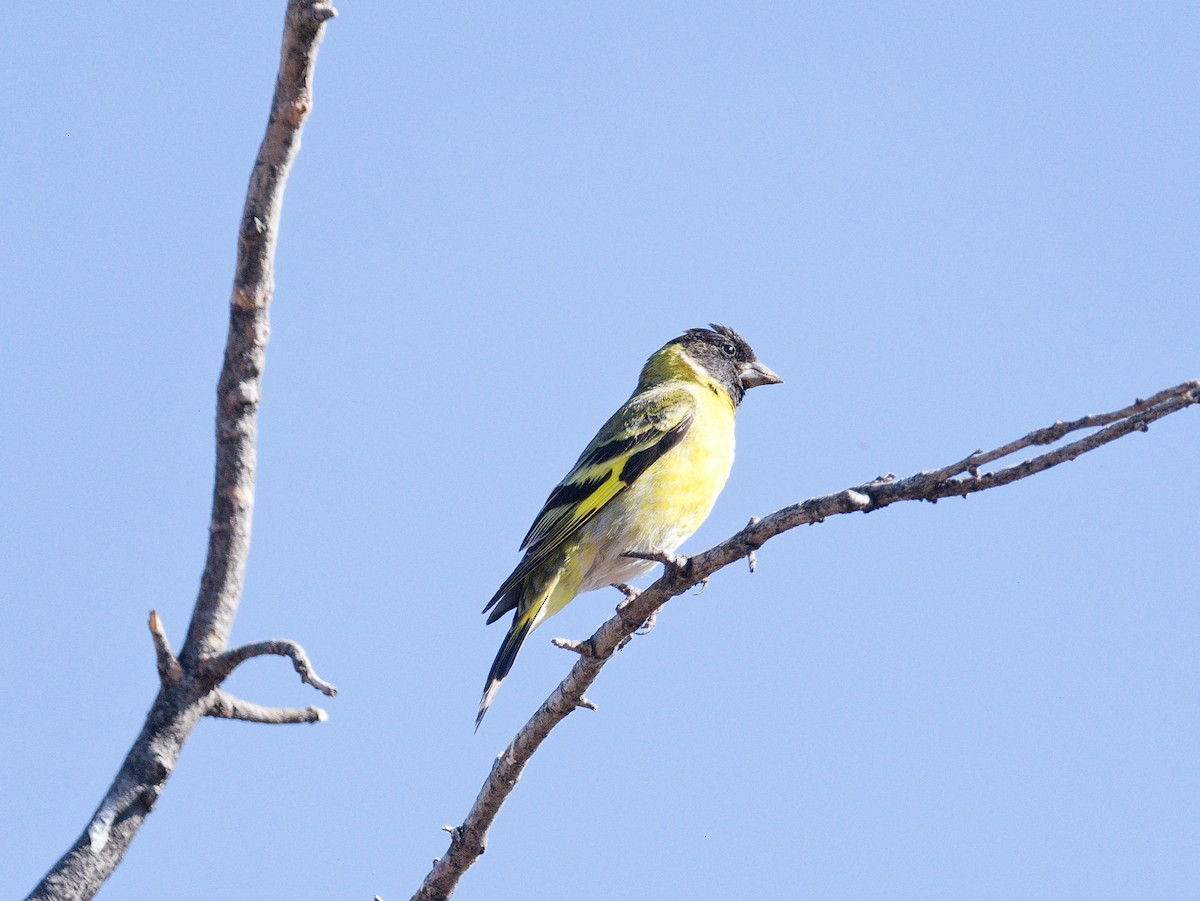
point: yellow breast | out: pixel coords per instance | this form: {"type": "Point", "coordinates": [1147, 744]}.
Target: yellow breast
{"type": "Point", "coordinates": [675, 495]}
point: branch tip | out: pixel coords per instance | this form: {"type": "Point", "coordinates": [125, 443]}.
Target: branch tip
{"type": "Point", "coordinates": [321, 11]}
{"type": "Point", "coordinates": [582, 648]}
{"type": "Point", "coordinates": [224, 664]}
{"type": "Point", "coordinates": [169, 670]}
{"type": "Point", "coordinates": [225, 706]}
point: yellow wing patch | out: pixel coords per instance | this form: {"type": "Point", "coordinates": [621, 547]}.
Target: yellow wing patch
{"type": "Point", "coordinates": [634, 437]}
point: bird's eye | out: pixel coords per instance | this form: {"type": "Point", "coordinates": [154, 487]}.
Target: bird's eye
{"type": "Point", "coordinates": [728, 349]}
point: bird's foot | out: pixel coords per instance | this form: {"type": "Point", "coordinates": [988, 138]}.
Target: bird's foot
{"type": "Point", "coordinates": [648, 626]}
{"type": "Point", "coordinates": [678, 565]}
{"type": "Point", "coordinates": [669, 560]}
{"type": "Point", "coordinates": [752, 557]}
{"type": "Point", "coordinates": [631, 595]}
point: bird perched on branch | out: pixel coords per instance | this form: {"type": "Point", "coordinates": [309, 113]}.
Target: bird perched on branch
{"type": "Point", "coordinates": [645, 483]}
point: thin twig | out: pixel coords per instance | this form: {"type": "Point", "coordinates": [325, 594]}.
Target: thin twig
{"type": "Point", "coordinates": [168, 665]}
{"type": "Point", "coordinates": [582, 648]}
{"type": "Point", "coordinates": [469, 840]}
{"type": "Point", "coordinates": [227, 706]}
{"type": "Point", "coordinates": [220, 667]}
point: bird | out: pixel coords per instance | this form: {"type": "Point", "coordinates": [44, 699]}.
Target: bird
{"type": "Point", "coordinates": [645, 483]}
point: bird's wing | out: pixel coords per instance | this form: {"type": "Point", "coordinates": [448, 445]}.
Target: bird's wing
{"type": "Point", "coordinates": [644, 429]}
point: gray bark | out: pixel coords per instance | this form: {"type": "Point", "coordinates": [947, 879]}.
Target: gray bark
{"type": "Point", "coordinates": [189, 685]}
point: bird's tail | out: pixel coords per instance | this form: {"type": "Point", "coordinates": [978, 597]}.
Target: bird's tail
{"type": "Point", "coordinates": [524, 622]}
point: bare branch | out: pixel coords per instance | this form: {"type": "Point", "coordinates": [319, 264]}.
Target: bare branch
{"type": "Point", "coordinates": [185, 692]}
{"type": "Point", "coordinates": [239, 389]}
{"type": "Point", "coordinates": [468, 841]}
{"type": "Point", "coordinates": [168, 666]}
{"type": "Point", "coordinates": [220, 667]}
{"type": "Point", "coordinates": [226, 706]}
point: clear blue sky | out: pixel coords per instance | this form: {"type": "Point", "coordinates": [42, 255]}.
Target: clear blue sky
{"type": "Point", "coordinates": [943, 225]}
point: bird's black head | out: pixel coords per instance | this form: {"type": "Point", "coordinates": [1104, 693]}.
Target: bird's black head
{"type": "Point", "coordinates": [725, 355]}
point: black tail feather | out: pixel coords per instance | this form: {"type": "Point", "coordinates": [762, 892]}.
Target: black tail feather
{"type": "Point", "coordinates": [503, 663]}
{"type": "Point", "coordinates": [508, 600]}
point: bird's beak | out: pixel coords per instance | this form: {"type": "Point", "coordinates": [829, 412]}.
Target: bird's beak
{"type": "Point", "coordinates": [754, 374]}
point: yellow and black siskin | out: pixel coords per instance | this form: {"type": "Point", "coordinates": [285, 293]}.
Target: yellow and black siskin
{"type": "Point", "coordinates": [646, 482]}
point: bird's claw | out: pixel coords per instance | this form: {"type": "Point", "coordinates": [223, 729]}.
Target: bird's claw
{"type": "Point", "coordinates": [631, 594]}
{"type": "Point", "coordinates": [752, 557]}
{"type": "Point", "coordinates": [648, 626]}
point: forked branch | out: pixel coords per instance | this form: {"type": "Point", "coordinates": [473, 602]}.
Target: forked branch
{"type": "Point", "coordinates": [189, 683]}
{"type": "Point", "coordinates": [469, 840]}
